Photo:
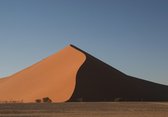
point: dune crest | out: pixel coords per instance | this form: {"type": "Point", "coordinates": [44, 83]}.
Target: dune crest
{"type": "Point", "coordinates": [53, 77]}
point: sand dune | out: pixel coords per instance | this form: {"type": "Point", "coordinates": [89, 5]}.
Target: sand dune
{"type": "Point", "coordinates": [53, 77]}
{"type": "Point", "coordinates": [74, 75]}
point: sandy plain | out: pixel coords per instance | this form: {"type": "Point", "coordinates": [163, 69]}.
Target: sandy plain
{"type": "Point", "coordinates": [86, 109]}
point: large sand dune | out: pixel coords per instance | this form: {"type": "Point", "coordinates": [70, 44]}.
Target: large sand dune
{"type": "Point", "coordinates": [74, 75]}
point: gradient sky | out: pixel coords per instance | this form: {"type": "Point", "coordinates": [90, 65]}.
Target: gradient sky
{"type": "Point", "coordinates": [130, 35]}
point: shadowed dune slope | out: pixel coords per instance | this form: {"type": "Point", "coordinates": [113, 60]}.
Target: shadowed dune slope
{"type": "Point", "coordinates": [97, 81]}
{"type": "Point", "coordinates": [53, 77]}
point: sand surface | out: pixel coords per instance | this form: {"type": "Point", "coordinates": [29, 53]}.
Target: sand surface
{"type": "Point", "coordinates": [83, 109]}
{"type": "Point", "coordinates": [53, 77]}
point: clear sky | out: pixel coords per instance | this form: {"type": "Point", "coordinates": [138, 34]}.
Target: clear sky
{"type": "Point", "coordinates": [130, 35]}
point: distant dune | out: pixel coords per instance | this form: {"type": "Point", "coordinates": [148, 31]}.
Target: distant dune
{"type": "Point", "coordinates": [74, 75]}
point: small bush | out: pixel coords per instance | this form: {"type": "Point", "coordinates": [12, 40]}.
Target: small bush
{"type": "Point", "coordinates": [38, 100]}
{"type": "Point", "coordinates": [47, 100]}
{"type": "Point", "coordinates": [117, 99]}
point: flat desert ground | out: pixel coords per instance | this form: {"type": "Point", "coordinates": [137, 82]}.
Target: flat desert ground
{"type": "Point", "coordinates": [86, 109]}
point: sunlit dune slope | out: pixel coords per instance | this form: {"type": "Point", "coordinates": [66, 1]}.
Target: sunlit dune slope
{"type": "Point", "coordinates": [53, 77]}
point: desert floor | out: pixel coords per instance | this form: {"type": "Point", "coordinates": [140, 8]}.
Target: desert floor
{"type": "Point", "coordinates": [86, 109]}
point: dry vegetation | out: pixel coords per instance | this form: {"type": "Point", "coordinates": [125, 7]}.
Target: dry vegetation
{"type": "Point", "coordinates": [82, 109]}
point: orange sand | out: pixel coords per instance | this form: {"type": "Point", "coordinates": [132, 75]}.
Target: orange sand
{"type": "Point", "coordinates": [53, 77]}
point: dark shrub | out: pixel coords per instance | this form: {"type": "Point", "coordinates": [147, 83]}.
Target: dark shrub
{"type": "Point", "coordinates": [38, 100]}
{"type": "Point", "coordinates": [117, 99]}
{"type": "Point", "coordinates": [47, 100]}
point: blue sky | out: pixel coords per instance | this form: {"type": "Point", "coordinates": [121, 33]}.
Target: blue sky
{"type": "Point", "coordinates": [130, 35]}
